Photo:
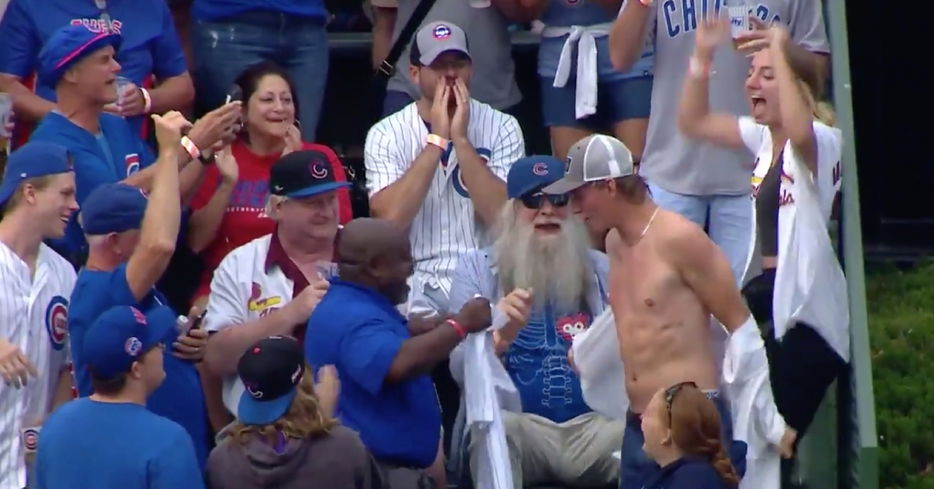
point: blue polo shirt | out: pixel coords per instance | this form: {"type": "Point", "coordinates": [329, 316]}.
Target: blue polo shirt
{"type": "Point", "coordinates": [150, 44]}
{"type": "Point", "coordinates": [97, 445]}
{"type": "Point", "coordinates": [179, 398]}
{"type": "Point", "coordinates": [214, 10]}
{"type": "Point", "coordinates": [359, 331]}
{"type": "Point", "coordinates": [125, 155]}
{"type": "Point", "coordinates": [687, 473]}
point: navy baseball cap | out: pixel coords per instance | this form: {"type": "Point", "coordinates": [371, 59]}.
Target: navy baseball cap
{"type": "Point", "coordinates": [113, 208]}
{"type": "Point", "coordinates": [270, 371]}
{"type": "Point", "coordinates": [123, 334]}
{"type": "Point", "coordinates": [303, 174]}
{"type": "Point", "coordinates": [69, 45]}
{"type": "Point", "coordinates": [33, 159]}
{"type": "Point", "coordinates": [532, 173]}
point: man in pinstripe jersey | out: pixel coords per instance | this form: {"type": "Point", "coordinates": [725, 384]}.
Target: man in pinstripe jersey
{"type": "Point", "coordinates": [438, 166]}
{"type": "Point", "coordinates": [38, 197]}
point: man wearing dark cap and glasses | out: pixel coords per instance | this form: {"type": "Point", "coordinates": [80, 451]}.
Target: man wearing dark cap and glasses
{"type": "Point", "coordinates": [549, 283]}
{"type": "Point", "coordinates": [663, 318]}
{"type": "Point", "coordinates": [37, 197]}
{"type": "Point", "coordinates": [131, 241]}
{"type": "Point", "coordinates": [80, 64]}
{"type": "Point", "coordinates": [285, 435]}
{"type": "Point", "coordinates": [110, 440]}
{"type": "Point", "coordinates": [270, 285]}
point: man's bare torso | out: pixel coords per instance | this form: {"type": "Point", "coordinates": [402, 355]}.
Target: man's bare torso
{"type": "Point", "coordinates": [664, 330]}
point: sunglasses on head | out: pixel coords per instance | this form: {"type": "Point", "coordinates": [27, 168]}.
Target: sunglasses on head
{"type": "Point", "coordinates": [672, 391]}
{"type": "Point", "coordinates": [535, 201]}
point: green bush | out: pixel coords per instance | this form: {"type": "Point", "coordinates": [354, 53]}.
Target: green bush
{"type": "Point", "coordinates": [901, 325]}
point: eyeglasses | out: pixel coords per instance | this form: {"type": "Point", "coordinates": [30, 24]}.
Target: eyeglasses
{"type": "Point", "coordinates": [671, 392]}
{"type": "Point", "coordinates": [535, 201]}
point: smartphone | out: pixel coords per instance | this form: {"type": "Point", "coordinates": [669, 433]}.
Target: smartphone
{"type": "Point", "coordinates": [234, 94]}
{"type": "Point", "coordinates": [199, 319]}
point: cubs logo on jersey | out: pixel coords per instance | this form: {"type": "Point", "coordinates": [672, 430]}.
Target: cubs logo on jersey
{"type": "Point", "coordinates": [56, 321]}
{"type": "Point", "coordinates": [131, 161]}
{"type": "Point", "coordinates": [457, 180]}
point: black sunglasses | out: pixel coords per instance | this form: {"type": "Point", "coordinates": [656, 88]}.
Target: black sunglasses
{"type": "Point", "coordinates": [535, 201]}
{"type": "Point", "coordinates": [671, 392]}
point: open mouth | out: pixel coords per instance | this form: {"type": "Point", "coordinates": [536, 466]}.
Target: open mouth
{"type": "Point", "coordinates": [758, 102]}
{"type": "Point", "coordinates": [549, 227]}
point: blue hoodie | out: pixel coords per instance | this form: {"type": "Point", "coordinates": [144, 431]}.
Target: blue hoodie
{"type": "Point", "coordinates": [109, 157]}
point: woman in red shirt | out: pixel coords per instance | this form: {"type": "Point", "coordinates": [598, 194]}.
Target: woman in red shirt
{"type": "Point", "coordinates": [230, 205]}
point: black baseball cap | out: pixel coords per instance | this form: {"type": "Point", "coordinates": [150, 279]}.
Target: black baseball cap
{"type": "Point", "coordinates": [270, 371]}
{"type": "Point", "coordinates": [303, 174]}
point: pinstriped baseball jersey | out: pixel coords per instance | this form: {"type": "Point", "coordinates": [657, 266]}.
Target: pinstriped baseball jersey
{"type": "Point", "coordinates": [446, 225]}
{"type": "Point", "coordinates": [34, 317]}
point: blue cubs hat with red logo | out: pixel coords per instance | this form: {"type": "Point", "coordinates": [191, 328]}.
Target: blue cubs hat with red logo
{"type": "Point", "coordinates": [113, 208]}
{"type": "Point", "coordinates": [33, 159]}
{"type": "Point", "coordinates": [303, 174]}
{"type": "Point", "coordinates": [69, 45]}
{"type": "Point", "coordinates": [123, 334]}
{"type": "Point", "coordinates": [270, 371]}
{"type": "Point", "coordinates": [532, 173]}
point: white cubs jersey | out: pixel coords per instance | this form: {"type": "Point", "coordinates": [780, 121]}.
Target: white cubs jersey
{"type": "Point", "coordinates": [446, 225]}
{"type": "Point", "coordinates": [242, 291]}
{"type": "Point", "coordinates": [34, 317]}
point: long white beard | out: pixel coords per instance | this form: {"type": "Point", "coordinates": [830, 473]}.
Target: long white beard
{"type": "Point", "coordinates": [557, 268]}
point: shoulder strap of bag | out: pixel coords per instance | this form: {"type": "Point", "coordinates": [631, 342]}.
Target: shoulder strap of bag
{"type": "Point", "coordinates": [388, 66]}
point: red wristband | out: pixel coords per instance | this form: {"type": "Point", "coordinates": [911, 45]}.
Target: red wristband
{"type": "Point", "coordinates": [461, 331]}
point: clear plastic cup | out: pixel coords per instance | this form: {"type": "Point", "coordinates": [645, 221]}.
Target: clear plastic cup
{"type": "Point", "coordinates": [327, 270]}
{"type": "Point", "coordinates": [122, 83]}
{"type": "Point", "coordinates": [6, 112]}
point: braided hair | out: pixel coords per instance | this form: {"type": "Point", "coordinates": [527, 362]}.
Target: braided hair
{"type": "Point", "coordinates": [696, 430]}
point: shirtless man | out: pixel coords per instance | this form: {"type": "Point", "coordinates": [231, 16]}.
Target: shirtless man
{"type": "Point", "coordinates": [675, 278]}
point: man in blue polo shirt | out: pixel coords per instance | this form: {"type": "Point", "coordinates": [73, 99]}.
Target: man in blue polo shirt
{"type": "Point", "coordinates": [150, 48]}
{"type": "Point", "coordinates": [131, 242]}
{"type": "Point", "coordinates": [109, 440]}
{"type": "Point", "coordinates": [383, 360]}
{"type": "Point", "coordinates": [80, 64]}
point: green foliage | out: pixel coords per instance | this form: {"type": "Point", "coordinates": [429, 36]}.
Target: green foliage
{"type": "Point", "coordinates": [901, 328]}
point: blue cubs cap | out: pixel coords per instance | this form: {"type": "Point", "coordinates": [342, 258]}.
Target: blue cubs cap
{"type": "Point", "coordinates": [33, 159]}
{"type": "Point", "coordinates": [113, 208]}
{"type": "Point", "coordinates": [303, 174]}
{"type": "Point", "coordinates": [270, 371]}
{"type": "Point", "coordinates": [532, 173]}
{"type": "Point", "coordinates": [69, 45]}
{"type": "Point", "coordinates": [123, 334]}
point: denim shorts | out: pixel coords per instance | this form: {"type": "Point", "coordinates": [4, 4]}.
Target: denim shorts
{"type": "Point", "coordinates": [617, 101]}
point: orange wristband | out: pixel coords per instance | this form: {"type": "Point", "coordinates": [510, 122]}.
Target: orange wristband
{"type": "Point", "coordinates": [461, 331]}
{"type": "Point", "coordinates": [437, 141]}
{"type": "Point", "coordinates": [190, 147]}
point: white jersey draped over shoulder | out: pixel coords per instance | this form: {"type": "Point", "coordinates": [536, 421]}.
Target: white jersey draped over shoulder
{"type": "Point", "coordinates": [34, 317]}
{"type": "Point", "coordinates": [446, 224]}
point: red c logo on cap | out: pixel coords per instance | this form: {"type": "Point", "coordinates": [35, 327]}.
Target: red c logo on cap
{"type": "Point", "coordinates": [319, 170]}
{"type": "Point", "coordinates": [540, 169]}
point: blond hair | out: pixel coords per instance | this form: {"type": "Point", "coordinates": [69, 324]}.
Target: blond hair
{"type": "Point", "coordinates": [38, 183]}
{"type": "Point", "coordinates": [305, 418]}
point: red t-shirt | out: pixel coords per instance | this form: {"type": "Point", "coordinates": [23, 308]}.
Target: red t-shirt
{"type": "Point", "coordinates": [245, 220]}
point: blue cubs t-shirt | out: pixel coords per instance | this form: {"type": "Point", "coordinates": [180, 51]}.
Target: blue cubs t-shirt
{"type": "Point", "coordinates": [180, 397]}
{"type": "Point", "coordinates": [88, 444]}
{"type": "Point", "coordinates": [360, 332]}
{"type": "Point", "coordinates": [537, 362]}
{"type": "Point", "coordinates": [150, 43]}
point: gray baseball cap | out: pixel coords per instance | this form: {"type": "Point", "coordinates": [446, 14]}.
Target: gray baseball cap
{"type": "Point", "coordinates": [438, 37]}
{"type": "Point", "coordinates": [593, 159]}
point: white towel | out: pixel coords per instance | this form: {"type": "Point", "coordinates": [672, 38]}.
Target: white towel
{"type": "Point", "coordinates": [603, 378]}
{"type": "Point", "coordinates": [584, 37]}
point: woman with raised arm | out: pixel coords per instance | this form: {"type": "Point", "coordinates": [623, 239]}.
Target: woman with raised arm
{"type": "Point", "coordinates": [800, 288]}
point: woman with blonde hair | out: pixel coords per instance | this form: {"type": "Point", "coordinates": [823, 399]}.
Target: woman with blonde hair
{"type": "Point", "coordinates": [682, 435]}
{"type": "Point", "coordinates": [799, 287]}
{"type": "Point", "coordinates": [285, 436]}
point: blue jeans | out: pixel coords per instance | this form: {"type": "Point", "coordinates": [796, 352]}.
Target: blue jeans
{"type": "Point", "coordinates": [223, 49]}
{"type": "Point", "coordinates": [636, 468]}
{"type": "Point", "coordinates": [728, 219]}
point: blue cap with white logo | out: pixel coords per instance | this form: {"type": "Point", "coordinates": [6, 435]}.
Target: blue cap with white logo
{"type": "Point", "coordinates": [122, 335]}
{"type": "Point", "coordinates": [33, 159]}
{"type": "Point", "coordinates": [532, 173]}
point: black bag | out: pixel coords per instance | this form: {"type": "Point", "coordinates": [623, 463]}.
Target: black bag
{"type": "Point", "coordinates": [388, 67]}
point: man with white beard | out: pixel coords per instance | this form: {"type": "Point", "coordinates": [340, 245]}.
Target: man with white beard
{"type": "Point", "coordinates": [543, 275]}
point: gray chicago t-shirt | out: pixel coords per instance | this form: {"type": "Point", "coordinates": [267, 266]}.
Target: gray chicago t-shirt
{"type": "Point", "coordinates": [493, 81]}
{"type": "Point", "coordinates": [674, 162]}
